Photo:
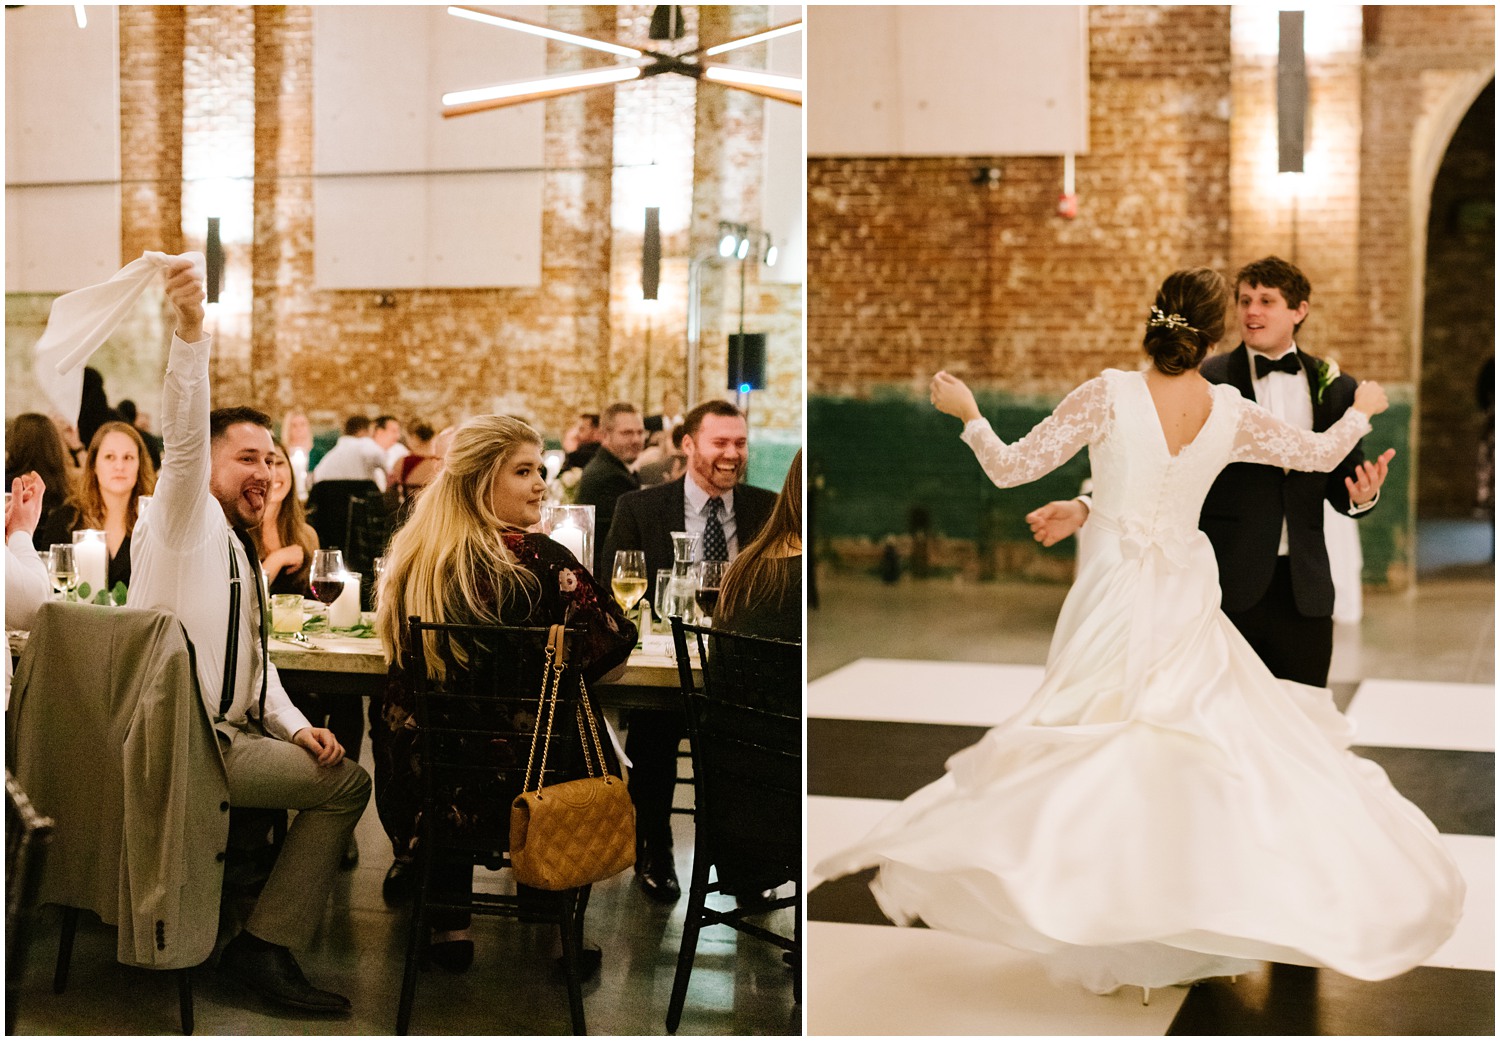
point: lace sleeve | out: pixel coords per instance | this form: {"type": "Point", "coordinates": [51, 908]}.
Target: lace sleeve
{"type": "Point", "coordinates": [1079, 419]}
{"type": "Point", "coordinates": [1262, 438]}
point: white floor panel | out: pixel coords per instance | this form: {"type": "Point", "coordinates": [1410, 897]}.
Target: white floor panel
{"type": "Point", "coordinates": [1472, 945]}
{"type": "Point", "coordinates": [880, 980]}
{"type": "Point", "coordinates": [1414, 714]}
{"type": "Point", "coordinates": [900, 690]}
{"type": "Point", "coordinates": [834, 824]}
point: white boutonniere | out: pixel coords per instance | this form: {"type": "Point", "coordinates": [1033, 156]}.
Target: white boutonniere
{"type": "Point", "coordinates": [1328, 371]}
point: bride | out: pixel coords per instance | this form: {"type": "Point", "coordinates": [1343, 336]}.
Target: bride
{"type": "Point", "coordinates": [1163, 809]}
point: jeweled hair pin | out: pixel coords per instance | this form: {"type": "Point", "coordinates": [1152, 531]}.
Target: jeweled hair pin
{"type": "Point", "coordinates": [1170, 321]}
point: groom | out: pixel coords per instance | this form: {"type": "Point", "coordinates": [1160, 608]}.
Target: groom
{"type": "Point", "coordinates": [1266, 523]}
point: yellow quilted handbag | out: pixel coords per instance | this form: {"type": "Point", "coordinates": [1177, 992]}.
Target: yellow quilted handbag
{"type": "Point", "coordinates": [570, 834]}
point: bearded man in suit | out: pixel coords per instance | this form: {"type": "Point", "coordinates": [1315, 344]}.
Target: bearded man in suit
{"type": "Point", "coordinates": [708, 501]}
{"type": "Point", "coordinates": [1266, 523]}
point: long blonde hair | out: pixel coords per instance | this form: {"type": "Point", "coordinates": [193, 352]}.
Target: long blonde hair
{"type": "Point", "coordinates": [448, 563]}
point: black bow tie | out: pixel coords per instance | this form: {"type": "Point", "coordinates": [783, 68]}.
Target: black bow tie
{"type": "Point", "coordinates": [1286, 363]}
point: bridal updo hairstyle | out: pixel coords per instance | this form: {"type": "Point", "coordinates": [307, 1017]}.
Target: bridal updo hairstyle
{"type": "Point", "coordinates": [1186, 319]}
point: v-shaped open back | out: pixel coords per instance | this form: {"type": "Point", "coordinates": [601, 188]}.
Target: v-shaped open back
{"type": "Point", "coordinates": [1161, 425]}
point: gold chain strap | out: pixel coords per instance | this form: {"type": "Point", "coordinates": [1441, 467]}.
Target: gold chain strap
{"type": "Point", "coordinates": [552, 670]}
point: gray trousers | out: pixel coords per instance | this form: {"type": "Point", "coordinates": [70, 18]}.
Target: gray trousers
{"type": "Point", "coordinates": [270, 773]}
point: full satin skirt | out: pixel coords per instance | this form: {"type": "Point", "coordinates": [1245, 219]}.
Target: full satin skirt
{"type": "Point", "coordinates": [1164, 809]}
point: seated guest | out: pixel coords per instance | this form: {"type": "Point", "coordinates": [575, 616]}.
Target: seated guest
{"type": "Point", "coordinates": [762, 590]}
{"type": "Point", "coordinates": [26, 581]}
{"type": "Point", "coordinates": [386, 433]}
{"type": "Point", "coordinates": [608, 475]}
{"type": "Point", "coordinates": [581, 441]}
{"type": "Point", "coordinates": [447, 565]}
{"type": "Point", "coordinates": [356, 456]}
{"type": "Point", "coordinates": [421, 451]}
{"type": "Point", "coordinates": [33, 444]}
{"type": "Point", "coordinates": [296, 434]}
{"type": "Point", "coordinates": [665, 465]}
{"type": "Point", "coordinates": [107, 497]}
{"type": "Point", "coordinates": [188, 548]}
{"type": "Point", "coordinates": [284, 539]}
{"type": "Point", "coordinates": [670, 416]}
{"type": "Point", "coordinates": [133, 416]}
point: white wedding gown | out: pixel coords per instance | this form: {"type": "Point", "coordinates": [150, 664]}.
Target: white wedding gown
{"type": "Point", "coordinates": [1163, 809]}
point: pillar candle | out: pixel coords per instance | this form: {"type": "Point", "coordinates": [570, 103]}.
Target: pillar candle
{"type": "Point", "coordinates": [343, 613]}
{"type": "Point", "coordinates": [571, 537]}
{"type": "Point", "coordinates": [91, 559]}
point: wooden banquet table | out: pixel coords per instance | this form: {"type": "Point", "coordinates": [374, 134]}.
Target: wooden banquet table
{"type": "Point", "coordinates": [355, 666]}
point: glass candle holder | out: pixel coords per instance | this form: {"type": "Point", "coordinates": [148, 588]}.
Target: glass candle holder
{"type": "Point", "coordinates": [91, 557]}
{"type": "Point", "coordinates": [572, 526]}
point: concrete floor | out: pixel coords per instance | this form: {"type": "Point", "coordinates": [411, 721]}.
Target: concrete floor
{"type": "Point", "coordinates": [739, 985]}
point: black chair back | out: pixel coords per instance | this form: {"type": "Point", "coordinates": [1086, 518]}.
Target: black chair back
{"type": "Point", "coordinates": [27, 834]}
{"type": "Point", "coordinates": [371, 523]}
{"type": "Point", "coordinates": [745, 729]}
{"type": "Point", "coordinates": [328, 509]}
{"type": "Point", "coordinates": [475, 721]}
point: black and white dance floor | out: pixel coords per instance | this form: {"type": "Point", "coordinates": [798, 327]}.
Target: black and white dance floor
{"type": "Point", "coordinates": [878, 729]}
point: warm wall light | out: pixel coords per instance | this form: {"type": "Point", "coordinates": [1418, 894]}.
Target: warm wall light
{"type": "Point", "coordinates": [1291, 94]}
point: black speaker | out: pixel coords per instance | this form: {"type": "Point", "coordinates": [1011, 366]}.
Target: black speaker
{"type": "Point", "coordinates": [651, 254]}
{"type": "Point", "coordinates": [747, 361]}
{"type": "Point", "coordinates": [214, 255]}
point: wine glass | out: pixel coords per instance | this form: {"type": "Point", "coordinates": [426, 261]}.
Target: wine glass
{"type": "Point", "coordinates": [710, 579]}
{"type": "Point", "coordinates": [628, 580]}
{"type": "Point", "coordinates": [327, 575]}
{"type": "Point", "coordinates": [62, 569]}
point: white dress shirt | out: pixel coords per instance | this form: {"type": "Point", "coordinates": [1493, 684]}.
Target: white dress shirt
{"type": "Point", "coordinates": [695, 503]}
{"type": "Point", "coordinates": [26, 587]}
{"type": "Point", "coordinates": [179, 555]}
{"type": "Point", "coordinates": [352, 459]}
{"type": "Point", "coordinates": [1286, 396]}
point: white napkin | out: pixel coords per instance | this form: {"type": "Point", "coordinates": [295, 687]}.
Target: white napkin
{"type": "Point", "coordinates": [82, 320]}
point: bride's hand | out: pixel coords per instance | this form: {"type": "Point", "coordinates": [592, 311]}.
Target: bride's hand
{"type": "Point", "coordinates": [952, 396]}
{"type": "Point", "coordinates": [1369, 398]}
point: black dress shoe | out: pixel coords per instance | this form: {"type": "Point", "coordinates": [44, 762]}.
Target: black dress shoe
{"type": "Point", "coordinates": [400, 883]}
{"type": "Point", "coordinates": [657, 875]}
{"type": "Point", "coordinates": [272, 972]}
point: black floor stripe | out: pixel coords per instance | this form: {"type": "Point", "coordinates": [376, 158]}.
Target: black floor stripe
{"type": "Point", "coordinates": [876, 759]}
{"type": "Point", "coordinates": [879, 759]}
{"type": "Point", "coordinates": [1455, 789]}
{"type": "Point", "coordinates": [1289, 999]}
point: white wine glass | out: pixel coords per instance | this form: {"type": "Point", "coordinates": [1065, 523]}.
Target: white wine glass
{"type": "Point", "coordinates": [628, 579]}
{"type": "Point", "coordinates": [62, 569]}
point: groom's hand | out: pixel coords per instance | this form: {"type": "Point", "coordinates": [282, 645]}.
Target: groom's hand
{"type": "Point", "coordinates": [185, 294]}
{"type": "Point", "coordinates": [1367, 479]}
{"type": "Point", "coordinates": [1057, 520]}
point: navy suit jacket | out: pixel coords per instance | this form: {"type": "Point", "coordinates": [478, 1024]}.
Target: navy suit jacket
{"type": "Point", "coordinates": [645, 520]}
{"type": "Point", "coordinates": [1244, 509]}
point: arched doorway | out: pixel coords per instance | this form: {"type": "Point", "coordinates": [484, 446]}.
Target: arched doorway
{"type": "Point", "coordinates": [1458, 342]}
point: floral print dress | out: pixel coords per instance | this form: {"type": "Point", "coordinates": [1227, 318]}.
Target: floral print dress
{"type": "Point", "coordinates": [479, 810]}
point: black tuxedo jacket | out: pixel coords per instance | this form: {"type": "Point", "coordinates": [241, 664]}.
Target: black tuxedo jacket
{"type": "Point", "coordinates": [645, 520]}
{"type": "Point", "coordinates": [1244, 509]}
{"type": "Point", "coordinates": [603, 481]}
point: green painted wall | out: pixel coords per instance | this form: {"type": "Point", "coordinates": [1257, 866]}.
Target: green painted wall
{"type": "Point", "coordinates": [879, 461]}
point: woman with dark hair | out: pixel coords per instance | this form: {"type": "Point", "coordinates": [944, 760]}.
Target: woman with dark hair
{"type": "Point", "coordinates": [762, 590]}
{"type": "Point", "coordinates": [467, 557]}
{"type": "Point", "coordinates": [1163, 808]}
{"type": "Point", "coordinates": [117, 472]}
{"type": "Point", "coordinates": [33, 445]}
{"type": "Point", "coordinates": [93, 409]}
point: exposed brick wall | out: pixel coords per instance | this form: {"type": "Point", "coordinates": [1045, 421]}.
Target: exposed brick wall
{"type": "Point", "coordinates": [195, 78]}
{"type": "Point", "coordinates": [913, 266]}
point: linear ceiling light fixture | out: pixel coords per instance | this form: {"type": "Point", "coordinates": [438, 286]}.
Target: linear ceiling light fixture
{"type": "Point", "coordinates": [650, 63]}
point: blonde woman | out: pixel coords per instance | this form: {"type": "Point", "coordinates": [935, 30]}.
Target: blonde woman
{"type": "Point", "coordinates": [466, 557]}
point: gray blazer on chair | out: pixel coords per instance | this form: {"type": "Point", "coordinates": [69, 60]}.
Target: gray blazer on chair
{"type": "Point", "coordinates": [107, 734]}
